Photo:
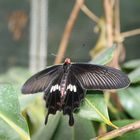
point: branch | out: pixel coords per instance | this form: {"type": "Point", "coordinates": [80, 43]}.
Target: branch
{"type": "Point", "coordinates": [109, 23]}
{"type": "Point", "coordinates": [89, 13]}
{"type": "Point", "coordinates": [130, 33]}
{"type": "Point", "coordinates": [116, 15]}
{"type": "Point", "coordinates": [119, 132]}
{"type": "Point", "coordinates": [68, 31]}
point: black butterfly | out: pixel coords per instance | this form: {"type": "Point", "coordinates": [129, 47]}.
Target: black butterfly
{"type": "Point", "coordinates": [65, 85]}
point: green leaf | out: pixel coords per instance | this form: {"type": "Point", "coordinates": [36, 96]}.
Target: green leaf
{"type": "Point", "coordinates": [92, 105]}
{"type": "Point", "coordinates": [12, 77]}
{"type": "Point", "coordinates": [132, 64]}
{"type": "Point", "coordinates": [36, 113]}
{"type": "Point", "coordinates": [104, 57]}
{"type": "Point", "coordinates": [6, 133]}
{"type": "Point", "coordinates": [58, 129]}
{"type": "Point", "coordinates": [130, 99]}
{"type": "Point", "coordinates": [63, 131]}
{"type": "Point", "coordinates": [95, 108]}
{"type": "Point", "coordinates": [82, 129]}
{"type": "Point", "coordinates": [134, 135]}
{"type": "Point", "coordinates": [26, 100]}
{"type": "Point", "coordinates": [47, 132]}
{"type": "Point", "coordinates": [11, 121]}
{"type": "Point", "coordinates": [134, 76]}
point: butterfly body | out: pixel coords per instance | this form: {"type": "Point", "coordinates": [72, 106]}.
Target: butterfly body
{"type": "Point", "coordinates": [65, 85]}
{"type": "Point", "coordinates": [66, 67]}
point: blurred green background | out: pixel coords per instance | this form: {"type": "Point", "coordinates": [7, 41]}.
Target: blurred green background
{"type": "Point", "coordinates": [15, 52]}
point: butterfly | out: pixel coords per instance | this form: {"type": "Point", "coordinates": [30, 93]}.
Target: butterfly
{"type": "Point", "coordinates": [65, 85]}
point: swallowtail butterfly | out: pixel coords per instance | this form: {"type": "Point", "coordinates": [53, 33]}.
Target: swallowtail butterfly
{"type": "Point", "coordinates": [65, 85]}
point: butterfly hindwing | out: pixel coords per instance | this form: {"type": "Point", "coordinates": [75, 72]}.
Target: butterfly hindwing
{"type": "Point", "coordinates": [74, 94]}
{"type": "Point", "coordinates": [99, 77]}
{"type": "Point", "coordinates": [71, 100]}
{"type": "Point", "coordinates": [52, 97]}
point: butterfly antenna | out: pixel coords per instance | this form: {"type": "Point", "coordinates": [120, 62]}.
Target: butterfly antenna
{"type": "Point", "coordinates": [53, 54]}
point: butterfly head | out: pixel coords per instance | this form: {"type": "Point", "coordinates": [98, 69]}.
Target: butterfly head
{"type": "Point", "coordinates": [67, 61]}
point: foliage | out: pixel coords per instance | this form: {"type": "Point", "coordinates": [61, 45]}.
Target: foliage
{"type": "Point", "coordinates": [10, 117]}
{"type": "Point", "coordinates": [94, 108]}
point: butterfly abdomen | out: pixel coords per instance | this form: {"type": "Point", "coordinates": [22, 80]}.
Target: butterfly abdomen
{"type": "Point", "coordinates": [63, 84]}
{"type": "Point", "coordinates": [64, 78]}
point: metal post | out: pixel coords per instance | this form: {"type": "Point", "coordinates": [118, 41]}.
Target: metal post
{"type": "Point", "coordinates": [38, 34]}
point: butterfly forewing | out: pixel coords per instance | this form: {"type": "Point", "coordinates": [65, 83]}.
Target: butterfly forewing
{"type": "Point", "coordinates": [42, 80]}
{"type": "Point", "coordinates": [99, 77]}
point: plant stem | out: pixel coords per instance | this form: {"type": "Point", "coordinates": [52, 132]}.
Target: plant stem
{"type": "Point", "coordinates": [68, 31]}
{"type": "Point", "coordinates": [109, 23]}
{"type": "Point", "coordinates": [130, 33]}
{"type": "Point", "coordinates": [89, 13]}
{"type": "Point", "coordinates": [119, 132]}
{"type": "Point", "coordinates": [116, 31]}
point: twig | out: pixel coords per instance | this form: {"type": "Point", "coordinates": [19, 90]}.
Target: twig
{"type": "Point", "coordinates": [130, 33]}
{"type": "Point", "coordinates": [89, 13]}
{"type": "Point", "coordinates": [68, 30]}
{"type": "Point", "coordinates": [109, 23]}
{"type": "Point", "coordinates": [116, 31]}
{"type": "Point", "coordinates": [119, 132]}
{"type": "Point", "coordinates": [117, 17]}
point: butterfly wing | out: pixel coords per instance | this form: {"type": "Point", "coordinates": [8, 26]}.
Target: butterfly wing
{"type": "Point", "coordinates": [74, 94]}
{"type": "Point", "coordinates": [42, 80]}
{"type": "Point", "coordinates": [99, 77]}
{"type": "Point", "coordinates": [71, 99]}
{"type": "Point", "coordinates": [52, 97]}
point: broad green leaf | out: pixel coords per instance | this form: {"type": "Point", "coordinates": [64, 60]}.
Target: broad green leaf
{"type": "Point", "coordinates": [58, 129]}
{"type": "Point", "coordinates": [130, 99]}
{"type": "Point", "coordinates": [26, 100]}
{"type": "Point", "coordinates": [63, 131]}
{"type": "Point", "coordinates": [132, 64]}
{"type": "Point", "coordinates": [47, 132]}
{"type": "Point", "coordinates": [104, 57]}
{"type": "Point", "coordinates": [36, 113]}
{"type": "Point", "coordinates": [16, 77]}
{"type": "Point", "coordinates": [6, 133]}
{"type": "Point", "coordinates": [10, 118]}
{"type": "Point", "coordinates": [134, 76]}
{"type": "Point", "coordinates": [134, 135]}
{"type": "Point", "coordinates": [82, 129]}
{"type": "Point", "coordinates": [95, 108]}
